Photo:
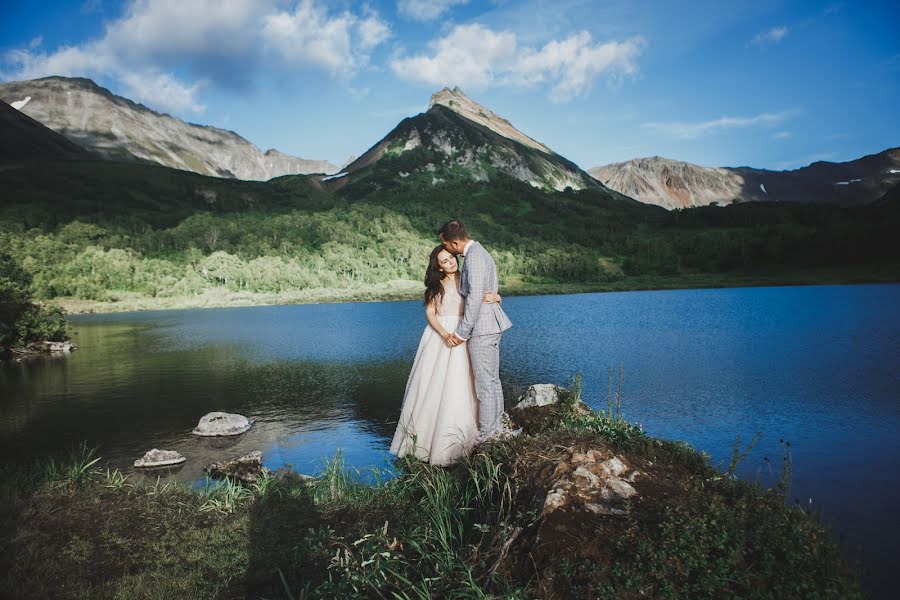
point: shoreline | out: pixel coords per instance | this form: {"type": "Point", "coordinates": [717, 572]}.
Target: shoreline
{"type": "Point", "coordinates": [582, 504]}
{"type": "Point", "coordinates": [405, 290]}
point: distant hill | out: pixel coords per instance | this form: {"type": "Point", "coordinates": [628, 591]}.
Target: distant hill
{"type": "Point", "coordinates": [23, 138]}
{"type": "Point", "coordinates": [458, 139]}
{"type": "Point", "coordinates": [676, 184]}
{"type": "Point", "coordinates": [117, 128]}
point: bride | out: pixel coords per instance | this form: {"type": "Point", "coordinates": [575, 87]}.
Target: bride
{"type": "Point", "coordinates": [439, 417]}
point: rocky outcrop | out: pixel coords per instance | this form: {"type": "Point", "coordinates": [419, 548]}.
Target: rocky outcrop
{"type": "Point", "coordinates": [575, 478]}
{"type": "Point", "coordinates": [247, 468]}
{"type": "Point", "coordinates": [159, 458]}
{"type": "Point", "coordinates": [461, 104]}
{"type": "Point", "coordinates": [222, 424]}
{"type": "Point", "coordinates": [595, 480]}
{"type": "Point", "coordinates": [117, 128]}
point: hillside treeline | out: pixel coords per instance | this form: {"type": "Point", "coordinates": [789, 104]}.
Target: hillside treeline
{"type": "Point", "coordinates": [89, 231]}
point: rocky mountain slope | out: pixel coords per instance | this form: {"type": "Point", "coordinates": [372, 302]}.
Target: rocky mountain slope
{"type": "Point", "coordinates": [675, 184]}
{"type": "Point", "coordinates": [23, 138]}
{"type": "Point", "coordinates": [458, 138]}
{"type": "Point", "coordinates": [117, 128]}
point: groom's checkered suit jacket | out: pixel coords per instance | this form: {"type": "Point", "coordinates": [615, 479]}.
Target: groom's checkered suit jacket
{"type": "Point", "coordinates": [479, 275]}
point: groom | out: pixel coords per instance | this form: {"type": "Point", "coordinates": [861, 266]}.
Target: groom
{"type": "Point", "coordinates": [481, 325]}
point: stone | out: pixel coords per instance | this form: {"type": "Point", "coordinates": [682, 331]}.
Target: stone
{"type": "Point", "coordinates": [247, 468]}
{"type": "Point", "coordinates": [590, 480]}
{"type": "Point", "coordinates": [220, 423]}
{"type": "Point", "coordinates": [159, 458]}
{"type": "Point", "coordinates": [539, 394]}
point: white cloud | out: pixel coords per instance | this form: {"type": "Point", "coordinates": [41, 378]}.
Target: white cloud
{"type": "Point", "coordinates": [690, 130]}
{"type": "Point", "coordinates": [782, 135]}
{"type": "Point", "coordinates": [474, 56]}
{"type": "Point", "coordinates": [165, 51]}
{"type": "Point", "coordinates": [161, 89]}
{"type": "Point", "coordinates": [309, 36]}
{"type": "Point", "coordinates": [772, 36]}
{"type": "Point", "coordinates": [426, 10]}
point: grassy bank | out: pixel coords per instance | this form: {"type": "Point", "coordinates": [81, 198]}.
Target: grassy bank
{"type": "Point", "coordinates": [411, 290]}
{"type": "Point", "coordinates": [476, 530]}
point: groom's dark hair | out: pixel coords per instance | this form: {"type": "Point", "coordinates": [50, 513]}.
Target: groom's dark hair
{"type": "Point", "coordinates": [453, 230]}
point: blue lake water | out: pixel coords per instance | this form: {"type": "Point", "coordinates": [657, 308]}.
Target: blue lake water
{"type": "Point", "coordinates": [818, 367]}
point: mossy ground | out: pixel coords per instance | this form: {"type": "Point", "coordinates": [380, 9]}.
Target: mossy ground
{"type": "Point", "coordinates": [474, 530]}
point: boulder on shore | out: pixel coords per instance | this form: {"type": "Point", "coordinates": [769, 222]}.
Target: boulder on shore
{"type": "Point", "coordinates": [247, 468]}
{"type": "Point", "coordinates": [159, 458]}
{"type": "Point", "coordinates": [543, 405]}
{"type": "Point", "coordinates": [540, 394]}
{"type": "Point", "coordinates": [221, 423]}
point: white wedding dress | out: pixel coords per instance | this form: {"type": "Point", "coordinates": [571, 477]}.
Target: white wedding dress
{"type": "Point", "coordinates": [439, 417]}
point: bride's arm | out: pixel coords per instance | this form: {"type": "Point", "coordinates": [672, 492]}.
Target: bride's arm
{"type": "Point", "coordinates": [432, 318]}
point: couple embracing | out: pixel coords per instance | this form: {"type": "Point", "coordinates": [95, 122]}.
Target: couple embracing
{"type": "Point", "coordinates": [453, 398]}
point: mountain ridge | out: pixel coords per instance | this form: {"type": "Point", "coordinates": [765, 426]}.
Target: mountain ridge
{"type": "Point", "coordinates": [116, 127]}
{"type": "Point", "coordinates": [678, 184]}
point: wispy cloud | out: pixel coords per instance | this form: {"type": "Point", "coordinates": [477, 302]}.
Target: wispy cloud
{"type": "Point", "coordinates": [782, 135]}
{"type": "Point", "coordinates": [695, 129]}
{"type": "Point", "coordinates": [475, 57]}
{"type": "Point", "coordinates": [426, 10]}
{"type": "Point", "coordinates": [771, 36]}
{"type": "Point", "coordinates": [164, 52]}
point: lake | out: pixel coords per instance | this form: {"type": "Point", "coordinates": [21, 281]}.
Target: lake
{"type": "Point", "coordinates": [815, 367]}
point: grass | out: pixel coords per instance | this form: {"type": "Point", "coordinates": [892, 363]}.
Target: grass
{"type": "Point", "coordinates": [475, 530]}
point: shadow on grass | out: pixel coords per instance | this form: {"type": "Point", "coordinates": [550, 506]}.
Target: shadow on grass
{"type": "Point", "coordinates": [284, 530]}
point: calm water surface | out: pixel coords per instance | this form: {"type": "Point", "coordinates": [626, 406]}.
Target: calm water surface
{"type": "Point", "coordinates": [818, 367]}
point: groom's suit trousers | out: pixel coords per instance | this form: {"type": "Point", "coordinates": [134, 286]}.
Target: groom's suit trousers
{"type": "Point", "coordinates": [484, 352]}
{"type": "Point", "coordinates": [482, 324]}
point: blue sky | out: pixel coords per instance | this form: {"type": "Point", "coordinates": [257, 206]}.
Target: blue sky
{"type": "Point", "coordinates": [765, 83]}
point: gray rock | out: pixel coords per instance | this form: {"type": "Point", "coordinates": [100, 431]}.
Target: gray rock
{"type": "Point", "coordinates": [247, 468]}
{"type": "Point", "coordinates": [590, 480]}
{"type": "Point", "coordinates": [159, 458]}
{"type": "Point", "coordinates": [221, 423]}
{"type": "Point", "coordinates": [539, 394]}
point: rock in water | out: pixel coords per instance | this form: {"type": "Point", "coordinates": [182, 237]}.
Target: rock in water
{"type": "Point", "coordinates": [220, 423]}
{"type": "Point", "coordinates": [247, 468]}
{"type": "Point", "coordinates": [160, 458]}
{"type": "Point", "coordinates": [539, 394]}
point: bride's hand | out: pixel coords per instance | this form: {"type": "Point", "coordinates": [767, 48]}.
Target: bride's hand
{"type": "Point", "coordinates": [492, 297]}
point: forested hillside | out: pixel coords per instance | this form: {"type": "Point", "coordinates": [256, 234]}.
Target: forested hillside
{"type": "Point", "coordinates": [106, 231]}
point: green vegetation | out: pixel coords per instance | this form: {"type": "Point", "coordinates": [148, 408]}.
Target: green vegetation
{"type": "Point", "coordinates": [471, 531]}
{"type": "Point", "coordinates": [94, 234]}
{"type": "Point", "coordinates": [21, 320]}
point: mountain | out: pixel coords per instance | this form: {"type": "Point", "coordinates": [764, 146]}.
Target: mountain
{"type": "Point", "coordinates": [23, 138]}
{"type": "Point", "coordinates": [458, 139]}
{"type": "Point", "coordinates": [117, 128]}
{"type": "Point", "coordinates": [675, 184]}
{"type": "Point", "coordinates": [670, 183]}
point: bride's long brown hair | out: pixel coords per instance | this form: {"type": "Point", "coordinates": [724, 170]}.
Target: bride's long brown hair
{"type": "Point", "coordinates": [434, 290]}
